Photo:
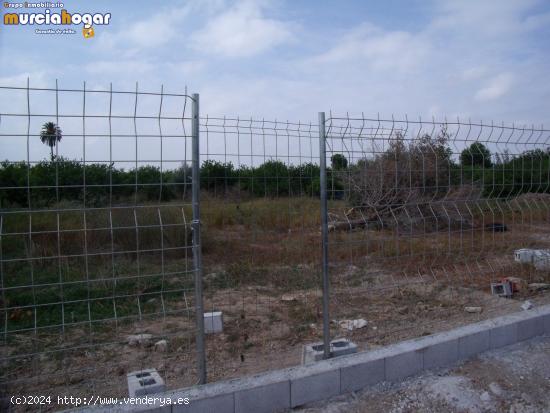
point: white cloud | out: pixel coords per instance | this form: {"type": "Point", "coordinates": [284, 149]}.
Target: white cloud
{"type": "Point", "coordinates": [243, 30]}
{"type": "Point", "coordinates": [36, 79]}
{"type": "Point", "coordinates": [188, 68]}
{"type": "Point", "coordinates": [475, 17]}
{"type": "Point", "coordinates": [474, 73]}
{"type": "Point", "coordinates": [134, 66]}
{"type": "Point", "coordinates": [373, 47]}
{"type": "Point", "coordinates": [152, 32]}
{"type": "Point", "coordinates": [497, 87]}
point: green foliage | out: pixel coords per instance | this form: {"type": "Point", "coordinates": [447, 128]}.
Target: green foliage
{"type": "Point", "coordinates": [425, 164]}
{"type": "Point", "coordinates": [270, 179]}
{"type": "Point", "coordinates": [528, 172]}
{"type": "Point", "coordinates": [102, 183]}
{"type": "Point", "coordinates": [510, 176]}
{"type": "Point", "coordinates": [476, 154]}
{"type": "Point", "coordinates": [96, 184]}
{"type": "Point", "coordinates": [338, 162]}
{"type": "Point", "coordinates": [217, 176]}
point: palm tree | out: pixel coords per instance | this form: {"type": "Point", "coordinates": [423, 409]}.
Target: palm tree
{"type": "Point", "coordinates": [50, 135]}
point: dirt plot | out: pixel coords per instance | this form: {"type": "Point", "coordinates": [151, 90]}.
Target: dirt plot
{"type": "Point", "coordinates": [261, 332]}
{"type": "Point", "coordinates": [264, 274]}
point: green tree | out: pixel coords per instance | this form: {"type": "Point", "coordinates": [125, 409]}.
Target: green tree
{"type": "Point", "coordinates": [338, 162]}
{"type": "Point", "coordinates": [476, 154]}
{"type": "Point", "coordinates": [50, 135]}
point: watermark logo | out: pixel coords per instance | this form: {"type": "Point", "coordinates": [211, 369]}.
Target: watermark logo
{"type": "Point", "coordinates": [88, 31]}
{"type": "Point", "coordinates": [50, 18]}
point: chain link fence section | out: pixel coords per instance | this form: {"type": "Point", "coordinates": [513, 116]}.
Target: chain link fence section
{"type": "Point", "coordinates": [96, 251]}
{"type": "Point", "coordinates": [424, 215]}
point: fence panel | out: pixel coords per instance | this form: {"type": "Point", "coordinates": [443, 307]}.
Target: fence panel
{"type": "Point", "coordinates": [261, 246]}
{"type": "Point", "coordinates": [424, 215]}
{"type": "Point", "coordinates": [96, 254]}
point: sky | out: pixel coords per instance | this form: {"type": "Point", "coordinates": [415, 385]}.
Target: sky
{"type": "Point", "coordinates": [288, 60]}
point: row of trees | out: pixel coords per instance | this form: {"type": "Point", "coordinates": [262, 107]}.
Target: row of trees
{"type": "Point", "coordinates": [62, 179]}
{"type": "Point", "coordinates": [422, 170]}
{"type": "Point", "coordinates": [407, 170]}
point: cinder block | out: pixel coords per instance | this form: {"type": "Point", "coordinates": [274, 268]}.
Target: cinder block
{"type": "Point", "coordinates": [403, 364]}
{"type": "Point", "coordinates": [440, 354]}
{"type": "Point", "coordinates": [313, 388]}
{"type": "Point", "coordinates": [530, 328]}
{"type": "Point", "coordinates": [339, 347]}
{"type": "Point", "coordinates": [223, 403]}
{"type": "Point", "coordinates": [355, 377]}
{"type": "Point", "coordinates": [503, 335]}
{"type": "Point", "coordinates": [474, 343]}
{"type": "Point", "coordinates": [143, 382]}
{"type": "Point", "coordinates": [267, 398]}
{"type": "Point", "coordinates": [502, 289]}
{"type": "Point", "coordinates": [213, 322]}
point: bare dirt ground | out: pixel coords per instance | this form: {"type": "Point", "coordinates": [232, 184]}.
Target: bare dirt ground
{"type": "Point", "coordinates": [514, 379]}
{"type": "Point", "coordinates": [260, 333]}
{"type": "Point", "coordinates": [413, 287]}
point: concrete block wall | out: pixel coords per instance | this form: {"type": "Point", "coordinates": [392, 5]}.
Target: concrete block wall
{"type": "Point", "coordinates": [283, 389]}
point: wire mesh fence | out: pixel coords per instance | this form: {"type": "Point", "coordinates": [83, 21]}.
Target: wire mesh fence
{"type": "Point", "coordinates": [96, 254]}
{"type": "Point", "coordinates": [105, 247]}
{"type": "Point", "coordinates": [261, 224]}
{"type": "Point", "coordinates": [426, 215]}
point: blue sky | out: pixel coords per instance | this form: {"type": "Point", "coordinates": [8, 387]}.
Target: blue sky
{"type": "Point", "coordinates": [484, 60]}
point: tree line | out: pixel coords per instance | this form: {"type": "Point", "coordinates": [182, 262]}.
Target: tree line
{"type": "Point", "coordinates": [421, 169]}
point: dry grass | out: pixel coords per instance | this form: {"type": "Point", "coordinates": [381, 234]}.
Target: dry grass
{"type": "Point", "coordinates": [254, 252]}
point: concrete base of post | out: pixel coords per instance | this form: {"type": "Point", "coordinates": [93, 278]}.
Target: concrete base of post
{"type": "Point", "coordinates": [143, 382]}
{"type": "Point", "coordinates": [339, 347]}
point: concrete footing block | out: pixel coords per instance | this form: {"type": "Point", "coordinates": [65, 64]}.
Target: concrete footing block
{"type": "Point", "coordinates": [213, 322]}
{"type": "Point", "coordinates": [339, 347]}
{"type": "Point", "coordinates": [143, 382]}
{"type": "Point", "coordinates": [502, 289]}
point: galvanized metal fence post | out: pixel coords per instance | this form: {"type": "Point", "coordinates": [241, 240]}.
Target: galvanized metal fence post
{"type": "Point", "coordinates": [324, 231]}
{"type": "Point", "coordinates": [197, 257]}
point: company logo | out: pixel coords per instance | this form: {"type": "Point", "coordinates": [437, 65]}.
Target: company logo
{"type": "Point", "coordinates": [49, 18]}
{"type": "Point", "coordinates": [88, 31]}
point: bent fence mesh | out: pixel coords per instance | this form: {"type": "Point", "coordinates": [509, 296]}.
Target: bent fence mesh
{"type": "Point", "coordinates": [97, 250]}
{"type": "Point", "coordinates": [425, 215]}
